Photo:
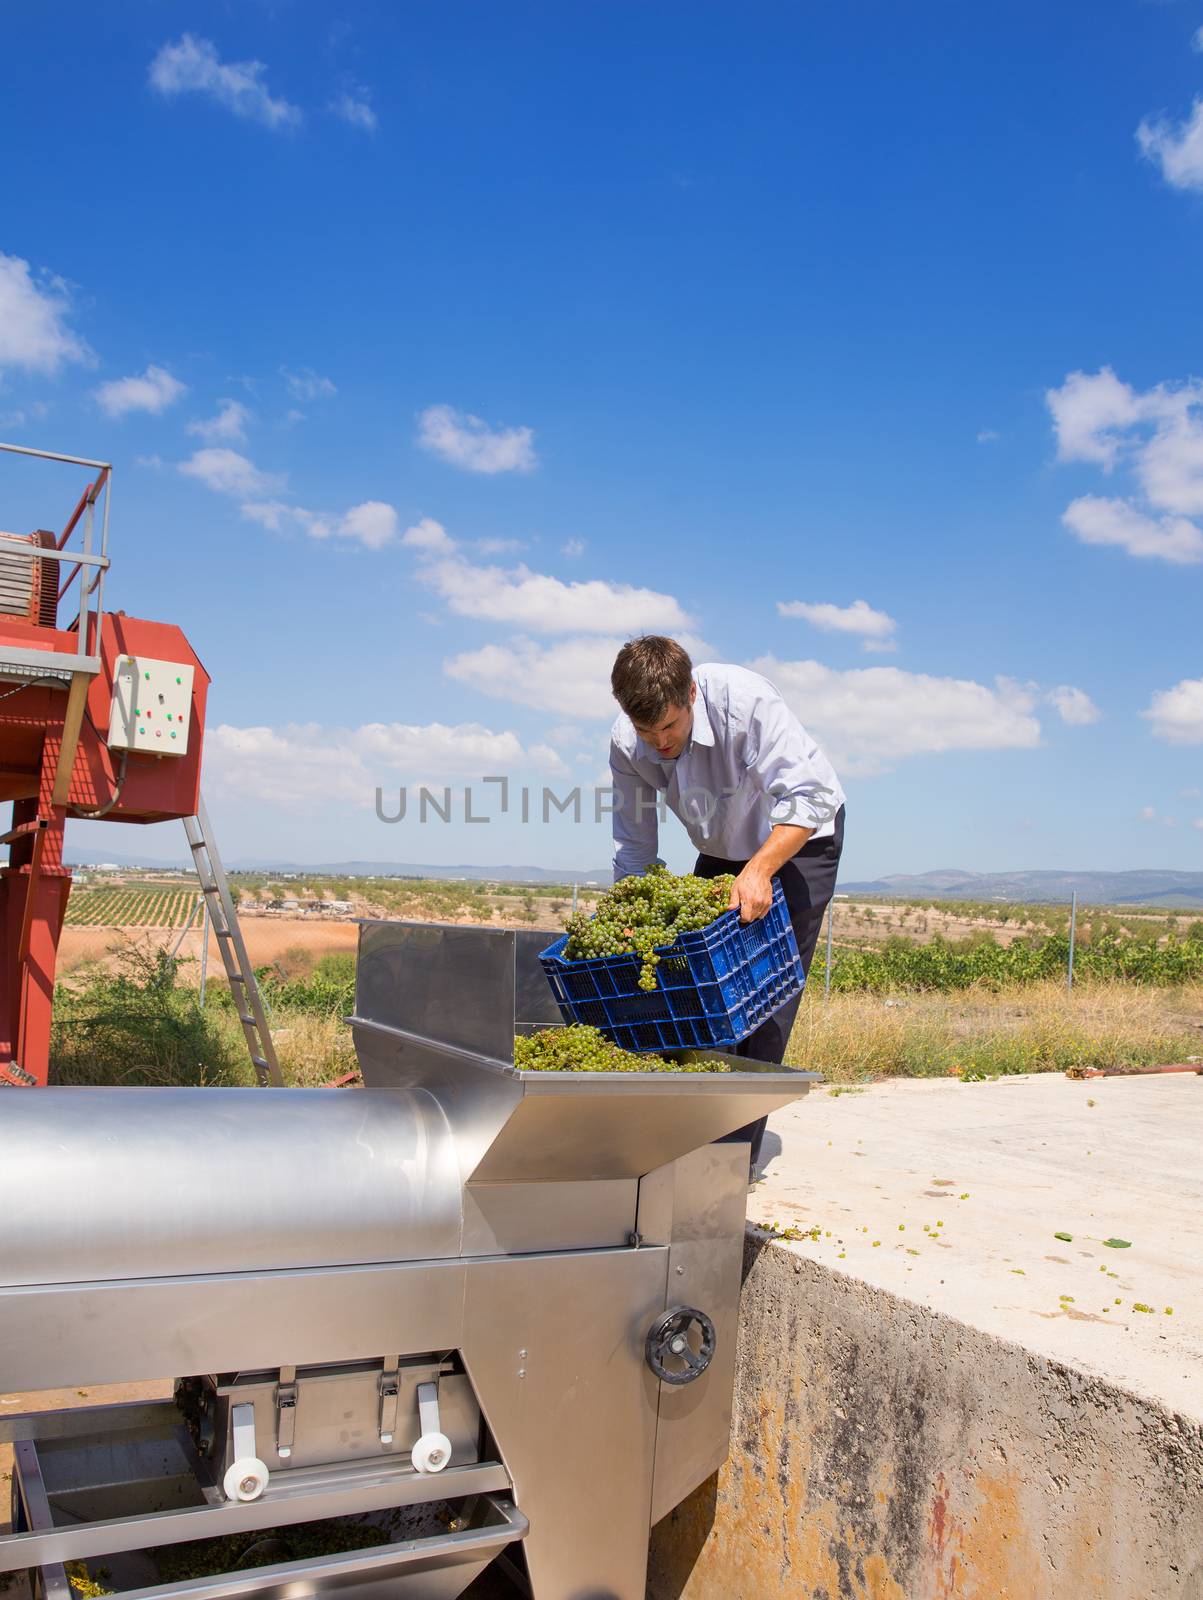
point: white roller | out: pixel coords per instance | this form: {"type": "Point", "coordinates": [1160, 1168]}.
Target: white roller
{"type": "Point", "coordinates": [246, 1477]}
{"type": "Point", "coordinates": [433, 1449]}
{"type": "Point", "coordinates": [431, 1453]}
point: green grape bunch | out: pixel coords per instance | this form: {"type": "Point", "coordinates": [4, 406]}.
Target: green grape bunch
{"type": "Point", "coordinates": [578, 1048]}
{"type": "Point", "coordinates": [640, 916]}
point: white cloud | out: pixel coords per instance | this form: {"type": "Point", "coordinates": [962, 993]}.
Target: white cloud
{"type": "Point", "coordinates": [226, 472]}
{"type": "Point", "coordinates": [1151, 814]}
{"type": "Point", "coordinates": [303, 764]}
{"type": "Point", "coordinates": [549, 760]}
{"type": "Point", "coordinates": [1171, 467]}
{"type": "Point", "coordinates": [465, 441]}
{"type": "Point", "coordinates": [1096, 520]}
{"type": "Point", "coordinates": [534, 601]}
{"type": "Point", "coordinates": [154, 391]}
{"type": "Point", "coordinates": [867, 719]}
{"type": "Point", "coordinates": [570, 678]}
{"type": "Point", "coordinates": [1197, 822]}
{"type": "Point", "coordinates": [307, 384]}
{"type": "Point", "coordinates": [355, 106]}
{"type": "Point", "coordinates": [874, 628]}
{"type": "Point", "coordinates": [428, 535]}
{"type": "Point", "coordinates": [228, 426]}
{"type": "Point", "coordinates": [987, 436]}
{"type": "Point", "coordinates": [1177, 148]}
{"type": "Point", "coordinates": [1073, 706]}
{"type": "Point", "coordinates": [193, 66]}
{"type": "Point", "coordinates": [573, 548]}
{"type": "Point", "coordinates": [1197, 41]}
{"type": "Point", "coordinates": [1157, 436]}
{"type": "Point", "coordinates": [1177, 714]}
{"type": "Point", "coordinates": [373, 523]}
{"type": "Point", "coordinates": [871, 717]}
{"type": "Point", "coordinates": [498, 547]}
{"type": "Point", "coordinates": [33, 310]}
{"type": "Point", "coordinates": [1097, 416]}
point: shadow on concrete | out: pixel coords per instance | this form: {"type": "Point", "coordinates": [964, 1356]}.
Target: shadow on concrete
{"type": "Point", "coordinates": [677, 1542]}
{"type": "Point", "coordinates": [770, 1149]}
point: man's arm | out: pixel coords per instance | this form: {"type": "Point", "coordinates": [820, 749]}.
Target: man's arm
{"type": "Point", "coordinates": [787, 765]}
{"type": "Point", "coordinates": [752, 891]}
{"type": "Point", "coordinates": [634, 820]}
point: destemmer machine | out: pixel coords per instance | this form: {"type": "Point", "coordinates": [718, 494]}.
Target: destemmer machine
{"type": "Point", "coordinates": [490, 1306]}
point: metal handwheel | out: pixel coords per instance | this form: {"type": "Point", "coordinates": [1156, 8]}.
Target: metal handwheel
{"type": "Point", "coordinates": [670, 1354]}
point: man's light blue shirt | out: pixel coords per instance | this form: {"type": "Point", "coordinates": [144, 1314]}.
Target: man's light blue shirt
{"type": "Point", "coordinates": [749, 764]}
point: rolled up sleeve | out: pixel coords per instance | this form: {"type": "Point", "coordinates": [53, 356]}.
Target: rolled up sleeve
{"type": "Point", "coordinates": [634, 820]}
{"type": "Point", "coordinates": [788, 766]}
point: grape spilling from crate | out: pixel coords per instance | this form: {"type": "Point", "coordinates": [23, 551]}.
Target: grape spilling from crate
{"type": "Point", "coordinates": [641, 913]}
{"type": "Point", "coordinates": [578, 1048]}
{"type": "Point", "coordinates": [664, 964]}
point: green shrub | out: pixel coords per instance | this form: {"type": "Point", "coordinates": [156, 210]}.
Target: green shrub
{"type": "Point", "coordinates": [138, 1026]}
{"type": "Point", "coordinates": [942, 964]}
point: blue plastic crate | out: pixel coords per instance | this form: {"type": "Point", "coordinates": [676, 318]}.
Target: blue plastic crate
{"type": "Point", "coordinates": [714, 986]}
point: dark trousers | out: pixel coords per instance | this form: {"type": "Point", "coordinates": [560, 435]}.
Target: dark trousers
{"type": "Point", "coordinates": [808, 883]}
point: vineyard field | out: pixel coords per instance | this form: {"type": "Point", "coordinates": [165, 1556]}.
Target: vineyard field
{"type": "Point", "coordinates": [130, 908]}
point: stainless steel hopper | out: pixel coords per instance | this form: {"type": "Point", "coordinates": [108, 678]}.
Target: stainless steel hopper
{"type": "Point", "coordinates": [512, 1296]}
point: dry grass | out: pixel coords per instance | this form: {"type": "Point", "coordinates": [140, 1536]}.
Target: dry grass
{"type": "Point", "coordinates": [851, 1038]}
{"type": "Point", "coordinates": [313, 1050]}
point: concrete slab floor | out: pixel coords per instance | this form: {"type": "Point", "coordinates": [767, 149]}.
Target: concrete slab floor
{"type": "Point", "coordinates": [952, 1195]}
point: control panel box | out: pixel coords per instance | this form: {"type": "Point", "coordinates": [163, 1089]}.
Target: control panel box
{"type": "Point", "coordinates": [152, 706]}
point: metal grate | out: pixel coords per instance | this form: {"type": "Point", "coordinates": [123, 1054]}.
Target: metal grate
{"type": "Point", "coordinates": [28, 587]}
{"type": "Point", "coordinates": [17, 576]}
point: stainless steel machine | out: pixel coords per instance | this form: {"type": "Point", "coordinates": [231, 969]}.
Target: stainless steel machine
{"type": "Point", "coordinates": [466, 1306]}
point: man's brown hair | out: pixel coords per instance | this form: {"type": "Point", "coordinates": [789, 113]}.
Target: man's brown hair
{"type": "Point", "coordinates": [651, 675]}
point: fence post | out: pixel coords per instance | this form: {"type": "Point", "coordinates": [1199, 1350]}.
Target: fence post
{"type": "Point", "coordinates": [1073, 931]}
{"type": "Point", "coordinates": [827, 966]}
{"type": "Point", "coordinates": [204, 953]}
{"type": "Point", "coordinates": [574, 899]}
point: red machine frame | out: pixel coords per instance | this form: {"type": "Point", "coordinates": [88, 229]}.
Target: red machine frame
{"type": "Point", "coordinates": [56, 697]}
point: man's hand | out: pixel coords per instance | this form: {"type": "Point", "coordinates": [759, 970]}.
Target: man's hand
{"type": "Point", "coordinates": [752, 893]}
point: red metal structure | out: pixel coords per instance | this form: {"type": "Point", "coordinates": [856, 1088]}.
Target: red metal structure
{"type": "Point", "coordinates": [100, 716]}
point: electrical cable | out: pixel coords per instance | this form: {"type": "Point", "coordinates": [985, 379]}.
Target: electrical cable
{"type": "Point", "coordinates": [93, 816]}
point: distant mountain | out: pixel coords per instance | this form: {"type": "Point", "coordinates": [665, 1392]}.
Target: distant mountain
{"type": "Point", "coordinates": [416, 869]}
{"type": "Point", "coordinates": [1152, 888]}
{"type": "Point", "coordinates": [360, 869]}
{"type": "Point", "coordinates": [1147, 888]}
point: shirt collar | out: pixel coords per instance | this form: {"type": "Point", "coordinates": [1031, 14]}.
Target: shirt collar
{"type": "Point", "coordinates": [702, 733]}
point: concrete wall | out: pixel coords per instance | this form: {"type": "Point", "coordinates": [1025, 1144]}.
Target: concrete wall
{"type": "Point", "coordinates": [883, 1452]}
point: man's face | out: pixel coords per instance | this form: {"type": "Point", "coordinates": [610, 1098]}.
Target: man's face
{"type": "Point", "coordinates": [670, 735]}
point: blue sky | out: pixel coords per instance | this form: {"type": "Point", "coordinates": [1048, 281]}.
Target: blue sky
{"type": "Point", "coordinates": [438, 348]}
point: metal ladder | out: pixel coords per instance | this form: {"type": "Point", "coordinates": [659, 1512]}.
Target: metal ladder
{"type": "Point", "coordinates": [243, 987]}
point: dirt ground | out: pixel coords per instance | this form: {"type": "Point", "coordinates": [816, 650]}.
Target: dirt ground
{"type": "Point", "coordinates": [266, 940]}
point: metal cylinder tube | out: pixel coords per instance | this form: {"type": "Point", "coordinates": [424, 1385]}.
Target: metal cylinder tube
{"type": "Point", "coordinates": [102, 1184]}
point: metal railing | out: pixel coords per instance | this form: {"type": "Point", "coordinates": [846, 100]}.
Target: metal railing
{"type": "Point", "coordinates": [89, 562]}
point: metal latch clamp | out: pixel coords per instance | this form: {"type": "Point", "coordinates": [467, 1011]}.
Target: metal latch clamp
{"type": "Point", "coordinates": [286, 1411]}
{"type": "Point", "coordinates": [390, 1388]}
